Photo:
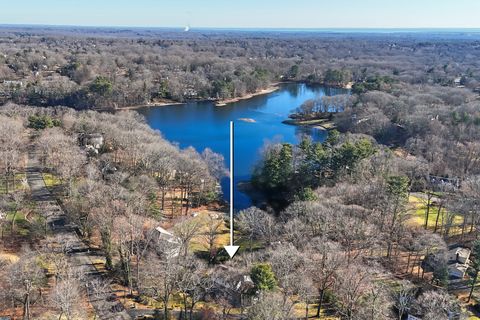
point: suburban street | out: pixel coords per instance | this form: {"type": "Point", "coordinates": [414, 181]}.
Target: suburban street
{"type": "Point", "coordinates": [80, 255]}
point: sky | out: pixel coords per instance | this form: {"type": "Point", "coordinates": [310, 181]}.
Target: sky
{"type": "Point", "coordinates": [246, 13]}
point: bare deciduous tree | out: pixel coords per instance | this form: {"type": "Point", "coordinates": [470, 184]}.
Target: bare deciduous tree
{"type": "Point", "coordinates": [24, 282]}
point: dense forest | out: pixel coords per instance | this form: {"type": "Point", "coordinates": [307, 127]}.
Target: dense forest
{"type": "Point", "coordinates": [101, 217]}
{"type": "Point", "coordinates": [85, 68]}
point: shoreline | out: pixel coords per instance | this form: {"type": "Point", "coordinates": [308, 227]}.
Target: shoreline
{"type": "Point", "coordinates": [217, 103]}
{"type": "Point", "coordinates": [155, 104]}
{"type": "Point", "coordinates": [220, 103]}
{"type": "Point", "coordinates": [272, 88]}
{"type": "Point", "coordinates": [321, 123]}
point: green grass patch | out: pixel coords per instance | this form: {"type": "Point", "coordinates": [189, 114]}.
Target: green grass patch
{"type": "Point", "coordinates": [199, 245]}
{"type": "Point", "coordinates": [21, 225]}
{"type": "Point", "coordinates": [26, 228]}
{"type": "Point", "coordinates": [299, 312]}
{"type": "Point", "coordinates": [418, 213]}
{"type": "Point", "coordinates": [51, 180]}
{"type": "Point", "coordinates": [20, 184]}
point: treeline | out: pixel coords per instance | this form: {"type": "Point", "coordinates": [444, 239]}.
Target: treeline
{"type": "Point", "coordinates": [48, 68]}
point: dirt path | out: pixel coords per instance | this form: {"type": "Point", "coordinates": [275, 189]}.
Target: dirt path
{"type": "Point", "coordinates": [80, 255]}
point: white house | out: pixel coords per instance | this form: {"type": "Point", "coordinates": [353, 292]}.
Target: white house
{"type": "Point", "coordinates": [459, 255]}
{"type": "Point", "coordinates": [93, 139]}
{"type": "Point", "coordinates": [169, 242]}
{"type": "Point", "coordinates": [13, 83]}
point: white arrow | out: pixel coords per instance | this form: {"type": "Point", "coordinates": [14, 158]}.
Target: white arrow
{"type": "Point", "coordinates": [231, 249]}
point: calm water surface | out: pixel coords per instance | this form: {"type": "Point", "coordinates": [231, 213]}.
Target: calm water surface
{"type": "Point", "coordinates": [202, 125]}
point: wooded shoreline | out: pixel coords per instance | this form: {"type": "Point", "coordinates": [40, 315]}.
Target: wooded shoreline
{"type": "Point", "coordinates": [224, 102]}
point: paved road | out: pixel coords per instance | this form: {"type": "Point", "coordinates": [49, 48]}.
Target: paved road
{"type": "Point", "coordinates": [80, 255]}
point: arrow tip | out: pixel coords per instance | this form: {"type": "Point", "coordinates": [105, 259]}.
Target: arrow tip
{"type": "Point", "coordinates": [231, 250]}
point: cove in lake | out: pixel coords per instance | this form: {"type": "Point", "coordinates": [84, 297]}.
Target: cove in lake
{"type": "Point", "coordinates": [257, 121]}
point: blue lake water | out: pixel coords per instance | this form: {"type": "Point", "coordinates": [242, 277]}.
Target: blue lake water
{"type": "Point", "coordinates": [203, 125]}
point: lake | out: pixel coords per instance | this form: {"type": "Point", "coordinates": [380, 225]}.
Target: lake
{"type": "Point", "coordinates": [203, 125]}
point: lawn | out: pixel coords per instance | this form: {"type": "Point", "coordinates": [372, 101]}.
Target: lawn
{"type": "Point", "coordinates": [20, 184]}
{"type": "Point", "coordinates": [199, 243]}
{"type": "Point", "coordinates": [21, 224]}
{"type": "Point", "coordinates": [417, 217]}
{"type": "Point", "coordinates": [27, 224]}
{"type": "Point", "coordinates": [51, 180]}
{"type": "Point", "coordinates": [299, 311]}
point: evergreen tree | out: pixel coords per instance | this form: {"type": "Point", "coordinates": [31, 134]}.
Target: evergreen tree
{"type": "Point", "coordinates": [263, 277]}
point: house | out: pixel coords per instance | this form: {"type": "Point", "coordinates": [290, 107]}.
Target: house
{"type": "Point", "coordinates": [169, 243]}
{"type": "Point", "coordinates": [458, 260]}
{"type": "Point", "coordinates": [244, 283]}
{"type": "Point", "coordinates": [94, 139]}
{"type": "Point", "coordinates": [93, 142]}
{"type": "Point", "coordinates": [190, 93]}
{"type": "Point", "coordinates": [231, 285]}
{"type": "Point", "coordinates": [457, 270]}
{"type": "Point", "coordinates": [13, 83]}
{"type": "Point", "coordinates": [444, 183]}
{"type": "Point", "coordinates": [459, 255]}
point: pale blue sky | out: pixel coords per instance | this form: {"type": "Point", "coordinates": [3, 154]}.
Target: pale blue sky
{"type": "Point", "coordinates": [246, 13]}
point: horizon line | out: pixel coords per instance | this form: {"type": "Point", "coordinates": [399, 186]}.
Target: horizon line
{"type": "Point", "coordinates": [305, 29]}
